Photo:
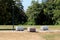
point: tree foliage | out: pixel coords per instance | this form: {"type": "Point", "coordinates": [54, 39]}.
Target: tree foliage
{"type": "Point", "coordinates": [6, 13]}
{"type": "Point", "coordinates": [32, 12]}
{"type": "Point", "coordinates": [44, 13]}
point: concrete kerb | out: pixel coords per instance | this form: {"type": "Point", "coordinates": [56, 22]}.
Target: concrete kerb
{"type": "Point", "coordinates": [37, 31]}
{"type": "Point", "coordinates": [51, 31]}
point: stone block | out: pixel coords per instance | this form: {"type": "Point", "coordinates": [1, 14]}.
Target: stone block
{"type": "Point", "coordinates": [19, 28]}
{"type": "Point", "coordinates": [31, 29]}
{"type": "Point", "coordinates": [44, 28]}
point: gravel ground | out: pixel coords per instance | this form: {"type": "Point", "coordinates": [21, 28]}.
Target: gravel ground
{"type": "Point", "coordinates": [24, 35]}
{"type": "Point", "coordinates": [19, 35]}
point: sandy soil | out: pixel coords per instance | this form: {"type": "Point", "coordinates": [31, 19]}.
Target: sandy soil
{"type": "Point", "coordinates": [20, 36]}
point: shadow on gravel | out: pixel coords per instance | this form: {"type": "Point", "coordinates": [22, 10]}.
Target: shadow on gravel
{"type": "Point", "coordinates": [7, 29]}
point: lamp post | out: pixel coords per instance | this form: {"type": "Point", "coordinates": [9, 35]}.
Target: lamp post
{"type": "Point", "coordinates": [13, 17]}
{"type": "Point", "coordinates": [13, 12]}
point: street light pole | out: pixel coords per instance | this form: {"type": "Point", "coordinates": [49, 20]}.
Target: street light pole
{"type": "Point", "coordinates": [13, 16]}
{"type": "Point", "coordinates": [13, 12]}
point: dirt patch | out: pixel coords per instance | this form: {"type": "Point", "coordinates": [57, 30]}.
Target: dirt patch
{"type": "Point", "coordinates": [20, 36]}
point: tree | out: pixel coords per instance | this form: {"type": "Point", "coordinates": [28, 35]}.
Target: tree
{"type": "Point", "coordinates": [6, 13]}
{"type": "Point", "coordinates": [38, 14]}
{"type": "Point", "coordinates": [44, 13]}
{"type": "Point", "coordinates": [32, 12]}
{"type": "Point", "coordinates": [48, 13]}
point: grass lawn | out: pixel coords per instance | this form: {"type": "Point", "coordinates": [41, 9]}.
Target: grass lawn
{"type": "Point", "coordinates": [51, 36]}
{"type": "Point", "coordinates": [51, 27]}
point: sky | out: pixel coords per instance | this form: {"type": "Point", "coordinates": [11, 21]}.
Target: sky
{"type": "Point", "coordinates": [27, 3]}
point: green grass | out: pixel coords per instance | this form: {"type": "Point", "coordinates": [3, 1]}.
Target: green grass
{"type": "Point", "coordinates": [54, 27]}
{"type": "Point", "coordinates": [51, 27]}
{"type": "Point", "coordinates": [52, 36]}
{"type": "Point", "coordinates": [5, 26]}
